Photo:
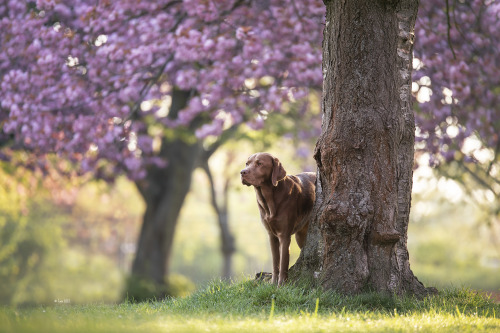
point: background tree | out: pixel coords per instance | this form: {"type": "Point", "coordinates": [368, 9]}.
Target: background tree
{"type": "Point", "coordinates": [135, 86]}
{"type": "Point", "coordinates": [220, 203]}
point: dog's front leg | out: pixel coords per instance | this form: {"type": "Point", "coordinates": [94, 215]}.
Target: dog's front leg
{"type": "Point", "coordinates": [275, 252]}
{"type": "Point", "coordinates": [284, 258]}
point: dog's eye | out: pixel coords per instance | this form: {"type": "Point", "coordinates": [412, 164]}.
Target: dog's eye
{"type": "Point", "coordinates": [258, 164]}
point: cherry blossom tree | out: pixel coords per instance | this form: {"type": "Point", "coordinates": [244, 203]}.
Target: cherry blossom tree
{"type": "Point", "coordinates": [458, 87]}
{"type": "Point", "coordinates": [135, 87]}
{"type": "Point", "coordinates": [150, 88]}
{"type": "Point", "coordinates": [85, 78]}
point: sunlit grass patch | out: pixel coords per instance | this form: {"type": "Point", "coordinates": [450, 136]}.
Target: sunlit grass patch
{"type": "Point", "coordinates": [246, 307]}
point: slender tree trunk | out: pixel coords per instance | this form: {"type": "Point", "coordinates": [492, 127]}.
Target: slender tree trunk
{"type": "Point", "coordinates": [357, 237]}
{"type": "Point", "coordinates": [227, 239]}
{"type": "Point", "coordinates": [164, 191]}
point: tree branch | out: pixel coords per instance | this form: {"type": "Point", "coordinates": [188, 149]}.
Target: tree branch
{"type": "Point", "coordinates": [495, 155]}
{"type": "Point", "coordinates": [226, 135]}
{"type": "Point", "coordinates": [478, 179]}
{"type": "Point", "coordinates": [449, 28]}
{"type": "Point", "coordinates": [213, 196]}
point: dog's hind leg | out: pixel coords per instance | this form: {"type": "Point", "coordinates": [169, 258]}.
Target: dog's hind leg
{"type": "Point", "coordinates": [300, 236]}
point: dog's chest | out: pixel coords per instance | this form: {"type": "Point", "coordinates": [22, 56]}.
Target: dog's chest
{"type": "Point", "coordinates": [271, 224]}
{"type": "Point", "coordinates": [269, 211]}
{"type": "Point", "coordinates": [265, 201]}
{"type": "Point", "coordinates": [263, 208]}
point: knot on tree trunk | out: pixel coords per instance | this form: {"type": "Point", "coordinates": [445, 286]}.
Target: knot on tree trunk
{"type": "Point", "coordinates": [385, 237]}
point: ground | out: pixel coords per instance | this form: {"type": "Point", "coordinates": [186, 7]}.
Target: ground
{"type": "Point", "coordinates": [251, 306]}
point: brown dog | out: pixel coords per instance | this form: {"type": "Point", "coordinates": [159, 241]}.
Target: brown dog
{"type": "Point", "coordinates": [284, 204]}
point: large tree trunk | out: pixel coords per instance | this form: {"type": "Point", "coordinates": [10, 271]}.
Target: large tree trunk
{"type": "Point", "coordinates": [357, 237]}
{"type": "Point", "coordinates": [164, 191]}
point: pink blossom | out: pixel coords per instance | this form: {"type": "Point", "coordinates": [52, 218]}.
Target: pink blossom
{"type": "Point", "coordinates": [463, 71]}
{"type": "Point", "coordinates": [132, 52]}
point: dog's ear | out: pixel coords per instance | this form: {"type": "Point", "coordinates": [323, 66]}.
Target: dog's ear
{"type": "Point", "coordinates": [279, 172]}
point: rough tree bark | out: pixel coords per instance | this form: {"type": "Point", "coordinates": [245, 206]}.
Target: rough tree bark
{"type": "Point", "coordinates": [164, 191]}
{"type": "Point", "coordinates": [358, 232]}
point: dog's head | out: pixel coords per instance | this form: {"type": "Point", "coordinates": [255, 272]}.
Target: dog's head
{"type": "Point", "coordinates": [261, 169]}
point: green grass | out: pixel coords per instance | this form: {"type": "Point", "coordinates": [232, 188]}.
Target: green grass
{"type": "Point", "coordinates": [250, 306]}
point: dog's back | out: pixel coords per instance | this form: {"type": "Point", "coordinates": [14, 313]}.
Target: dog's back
{"type": "Point", "coordinates": [301, 197]}
{"type": "Point", "coordinates": [304, 193]}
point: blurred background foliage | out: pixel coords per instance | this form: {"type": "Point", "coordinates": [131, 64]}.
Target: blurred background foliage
{"type": "Point", "coordinates": [454, 234]}
{"type": "Point", "coordinates": [74, 241]}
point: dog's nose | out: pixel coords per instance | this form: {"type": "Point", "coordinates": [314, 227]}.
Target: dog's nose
{"type": "Point", "coordinates": [244, 171]}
